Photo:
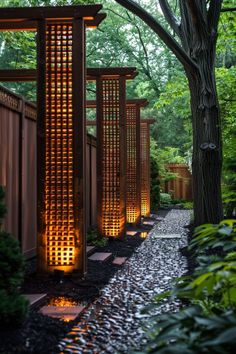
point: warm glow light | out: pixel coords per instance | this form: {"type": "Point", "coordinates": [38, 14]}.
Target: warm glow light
{"type": "Point", "coordinates": [59, 218]}
{"type": "Point", "coordinates": [132, 205]}
{"type": "Point", "coordinates": [88, 18]}
{"type": "Point", "coordinates": [143, 234]}
{"type": "Point", "coordinates": [62, 301]}
{"type": "Point", "coordinates": [111, 214]}
{"type": "Point", "coordinates": [145, 169]}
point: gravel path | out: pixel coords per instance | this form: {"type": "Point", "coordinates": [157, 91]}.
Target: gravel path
{"type": "Point", "coordinates": [113, 324]}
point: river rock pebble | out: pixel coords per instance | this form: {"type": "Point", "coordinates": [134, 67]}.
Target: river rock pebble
{"type": "Point", "coordinates": [114, 323]}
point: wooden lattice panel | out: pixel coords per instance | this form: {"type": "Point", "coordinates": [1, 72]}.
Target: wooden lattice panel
{"type": "Point", "coordinates": [145, 169]}
{"type": "Point", "coordinates": [111, 207]}
{"type": "Point", "coordinates": [132, 169]}
{"type": "Point", "coordinates": [59, 204]}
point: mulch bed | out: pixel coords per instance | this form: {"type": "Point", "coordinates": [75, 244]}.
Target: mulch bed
{"type": "Point", "coordinates": [41, 334]}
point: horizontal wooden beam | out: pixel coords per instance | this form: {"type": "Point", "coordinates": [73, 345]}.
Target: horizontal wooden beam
{"type": "Point", "coordinates": [142, 121]}
{"type": "Point", "coordinates": [110, 73]}
{"type": "Point", "coordinates": [29, 25]}
{"type": "Point", "coordinates": [15, 75]}
{"type": "Point", "coordinates": [141, 102]}
{"type": "Point", "coordinates": [48, 13]}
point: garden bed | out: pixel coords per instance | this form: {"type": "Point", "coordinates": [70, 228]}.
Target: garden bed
{"type": "Point", "coordinates": [41, 334]}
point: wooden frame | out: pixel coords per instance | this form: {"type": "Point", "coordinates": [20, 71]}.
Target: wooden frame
{"type": "Point", "coordinates": [145, 166]}
{"type": "Point", "coordinates": [133, 158]}
{"type": "Point", "coordinates": [61, 138]}
{"type": "Point", "coordinates": [133, 167]}
{"type": "Point", "coordinates": [111, 148]}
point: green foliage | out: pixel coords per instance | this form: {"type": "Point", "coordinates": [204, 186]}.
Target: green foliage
{"type": "Point", "coordinates": [166, 156]}
{"type": "Point", "coordinates": [94, 239]}
{"type": "Point", "coordinates": [208, 325]}
{"type": "Point", "coordinates": [13, 306]}
{"type": "Point", "coordinates": [190, 332]}
{"type": "Point", "coordinates": [165, 199]}
{"type": "Point", "coordinates": [209, 236]}
{"type": "Point", "coordinates": [187, 205]}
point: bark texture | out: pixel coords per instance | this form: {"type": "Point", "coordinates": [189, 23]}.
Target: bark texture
{"type": "Point", "coordinates": [197, 32]}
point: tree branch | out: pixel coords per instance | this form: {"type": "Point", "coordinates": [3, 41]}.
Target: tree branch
{"type": "Point", "coordinates": [214, 14]}
{"type": "Point", "coordinates": [228, 9]}
{"type": "Point", "coordinates": [169, 16]}
{"type": "Point", "coordinates": [186, 61]}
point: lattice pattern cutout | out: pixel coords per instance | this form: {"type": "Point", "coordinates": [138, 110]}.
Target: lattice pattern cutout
{"type": "Point", "coordinates": [131, 186]}
{"type": "Point", "coordinates": [113, 220]}
{"type": "Point", "coordinates": [60, 238]}
{"type": "Point", "coordinates": [145, 169]}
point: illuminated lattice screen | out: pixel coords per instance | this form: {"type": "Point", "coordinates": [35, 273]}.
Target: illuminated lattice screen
{"type": "Point", "coordinates": [59, 218]}
{"type": "Point", "coordinates": [132, 186]}
{"type": "Point", "coordinates": [145, 169]}
{"type": "Point", "coordinates": [111, 206]}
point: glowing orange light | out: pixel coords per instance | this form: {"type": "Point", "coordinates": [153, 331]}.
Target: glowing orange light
{"type": "Point", "coordinates": [62, 301]}
{"type": "Point", "coordinates": [59, 218]}
{"type": "Point", "coordinates": [132, 206]}
{"type": "Point", "coordinates": [88, 18]}
{"type": "Point", "coordinates": [111, 220]}
{"type": "Point", "coordinates": [145, 169]}
{"type": "Point", "coordinates": [143, 234]}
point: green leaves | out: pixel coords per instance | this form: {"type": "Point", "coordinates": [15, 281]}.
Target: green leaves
{"type": "Point", "coordinates": [209, 324]}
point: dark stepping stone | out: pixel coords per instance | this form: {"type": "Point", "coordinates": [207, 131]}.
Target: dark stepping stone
{"type": "Point", "coordinates": [119, 260]}
{"type": "Point", "coordinates": [34, 298]}
{"type": "Point", "coordinates": [66, 313]}
{"type": "Point", "coordinates": [100, 256]}
{"type": "Point", "coordinates": [90, 249]}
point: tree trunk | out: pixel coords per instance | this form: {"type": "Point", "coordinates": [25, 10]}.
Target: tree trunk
{"type": "Point", "coordinates": [207, 149]}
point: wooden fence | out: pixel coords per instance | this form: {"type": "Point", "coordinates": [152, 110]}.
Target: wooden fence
{"type": "Point", "coordinates": [181, 186]}
{"type": "Point", "coordinates": [18, 169]}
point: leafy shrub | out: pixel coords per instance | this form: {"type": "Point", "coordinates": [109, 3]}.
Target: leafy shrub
{"type": "Point", "coordinates": [94, 239]}
{"type": "Point", "coordinates": [165, 199]}
{"type": "Point", "coordinates": [190, 331]}
{"type": "Point", "coordinates": [13, 306]}
{"type": "Point", "coordinates": [187, 205]}
{"type": "Point", "coordinates": [209, 324]}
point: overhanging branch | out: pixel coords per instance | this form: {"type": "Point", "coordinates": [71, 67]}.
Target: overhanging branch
{"type": "Point", "coordinates": [160, 31]}
{"type": "Point", "coordinates": [169, 16]}
{"type": "Point", "coordinates": [228, 9]}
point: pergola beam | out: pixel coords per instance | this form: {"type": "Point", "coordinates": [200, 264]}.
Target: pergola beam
{"type": "Point", "coordinates": [31, 25]}
{"type": "Point", "coordinates": [11, 14]}
{"type": "Point", "coordinates": [17, 75]}
{"type": "Point", "coordinates": [94, 122]}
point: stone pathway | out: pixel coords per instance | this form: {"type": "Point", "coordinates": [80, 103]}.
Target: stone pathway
{"type": "Point", "coordinates": [114, 324]}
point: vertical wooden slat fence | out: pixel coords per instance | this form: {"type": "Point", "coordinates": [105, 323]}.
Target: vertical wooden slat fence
{"type": "Point", "coordinates": [18, 157]}
{"type": "Point", "coordinates": [181, 186]}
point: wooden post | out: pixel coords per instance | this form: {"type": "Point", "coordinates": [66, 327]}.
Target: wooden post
{"type": "Point", "coordinates": [111, 149]}
{"type": "Point", "coordinates": [133, 189]}
{"type": "Point", "coordinates": [79, 136]}
{"type": "Point", "coordinates": [61, 156]}
{"type": "Point", "coordinates": [41, 145]}
{"type": "Point", "coordinates": [145, 168]}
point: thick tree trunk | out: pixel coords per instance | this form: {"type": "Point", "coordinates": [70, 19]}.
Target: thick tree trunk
{"type": "Point", "coordinates": [197, 32]}
{"type": "Point", "coordinates": [207, 149]}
